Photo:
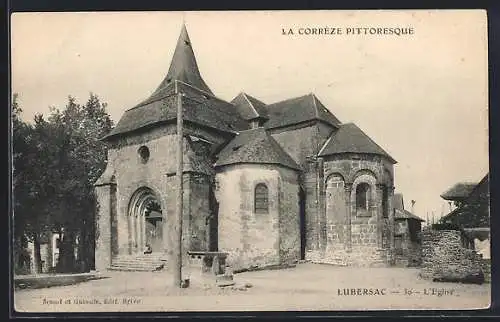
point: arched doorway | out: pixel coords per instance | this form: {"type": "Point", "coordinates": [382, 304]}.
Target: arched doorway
{"type": "Point", "coordinates": [145, 222]}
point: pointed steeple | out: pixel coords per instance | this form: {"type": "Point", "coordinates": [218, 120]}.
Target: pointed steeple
{"type": "Point", "coordinates": [183, 66]}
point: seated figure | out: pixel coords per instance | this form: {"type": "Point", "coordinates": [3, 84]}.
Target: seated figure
{"type": "Point", "coordinates": [148, 249]}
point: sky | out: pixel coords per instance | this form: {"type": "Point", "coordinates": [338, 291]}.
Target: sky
{"type": "Point", "coordinates": [423, 97]}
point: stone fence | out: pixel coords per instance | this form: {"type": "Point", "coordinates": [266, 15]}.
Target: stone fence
{"type": "Point", "coordinates": [444, 258]}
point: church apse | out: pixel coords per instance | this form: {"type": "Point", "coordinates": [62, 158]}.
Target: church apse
{"type": "Point", "coordinates": [356, 211]}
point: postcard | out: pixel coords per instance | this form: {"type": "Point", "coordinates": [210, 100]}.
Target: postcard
{"type": "Point", "coordinates": [250, 161]}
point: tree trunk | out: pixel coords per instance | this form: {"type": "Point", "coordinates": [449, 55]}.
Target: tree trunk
{"type": "Point", "coordinates": [37, 260]}
{"type": "Point", "coordinates": [18, 253]}
{"type": "Point", "coordinates": [83, 250]}
{"type": "Point", "coordinates": [67, 253]}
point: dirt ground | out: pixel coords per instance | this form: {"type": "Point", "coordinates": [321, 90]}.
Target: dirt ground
{"type": "Point", "coordinates": [303, 288]}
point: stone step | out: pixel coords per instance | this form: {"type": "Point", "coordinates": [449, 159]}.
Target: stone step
{"type": "Point", "coordinates": [137, 268]}
{"type": "Point", "coordinates": [139, 262]}
{"type": "Point", "coordinates": [141, 257]}
{"type": "Point", "coordinates": [132, 269]}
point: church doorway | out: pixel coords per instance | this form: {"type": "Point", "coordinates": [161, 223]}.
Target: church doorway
{"type": "Point", "coordinates": [154, 228]}
{"type": "Point", "coordinates": [145, 222]}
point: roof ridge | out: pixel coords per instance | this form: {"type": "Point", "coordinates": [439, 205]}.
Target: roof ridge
{"type": "Point", "coordinates": [349, 138]}
{"type": "Point", "coordinates": [281, 150]}
{"type": "Point", "coordinates": [327, 142]}
{"type": "Point", "coordinates": [371, 140]}
{"type": "Point", "coordinates": [147, 101]}
{"type": "Point", "coordinates": [183, 65]}
{"type": "Point", "coordinates": [197, 88]}
{"type": "Point", "coordinates": [476, 187]}
{"type": "Point", "coordinates": [254, 129]}
{"type": "Point", "coordinates": [315, 105]}
{"type": "Point", "coordinates": [287, 99]}
{"type": "Point", "coordinates": [251, 105]}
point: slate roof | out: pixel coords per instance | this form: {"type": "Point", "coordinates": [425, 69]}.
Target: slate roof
{"type": "Point", "coordinates": [199, 104]}
{"type": "Point", "coordinates": [183, 66]}
{"type": "Point", "coordinates": [459, 191]}
{"type": "Point", "coordinates": [254, 146]}
{"type": "Point", "coordinates": [475, 212]}
{"type": "Point", "coordinates": [197, 108]}
{"type": "Point", "coordinates": [351, 139]}
{"type": "Point", "coordinates": [482, 186]}
{"type": "Point", "coordinates": [405, 214]}
{"type": "Point", "coordinates": [399, 208]}
{"type": "Point", "coordinates": [297, 110]}
{"type": "Point", "coordinates": [249, 107]}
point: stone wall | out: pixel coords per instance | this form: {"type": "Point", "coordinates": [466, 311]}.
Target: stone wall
{"type": "Point", "coordinates": [302, 142]}
{"type": "Point", "coordinates": [408, 249]}
{"type": "Point", "coordinates": [354, 236]}
{"type": "Point", "coordinates": [350, 165]}
{"type": "Point", "coordinates": [199, 211]}
{"type": "Point", "coordinates": [258, 239]}
{"type": "Point", "coordinates": [310, 184]}
{"type": "Point", "coordinates": [128, 173]}
{"type": "Point", "coordinates": [250, 238]}
{"type": "Point", "coordinates": [444, 258]}
{"type": "Point", "coordinates": [289, 220]}
{"type": "Point", "coordinates": [358, 256]}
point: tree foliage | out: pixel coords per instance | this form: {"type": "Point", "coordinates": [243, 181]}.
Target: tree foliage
{"type": "Point", "coordinates": [56, 160]}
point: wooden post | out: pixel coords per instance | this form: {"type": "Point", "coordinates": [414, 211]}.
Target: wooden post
{"type": "Point", "coordinates": [179, 194]}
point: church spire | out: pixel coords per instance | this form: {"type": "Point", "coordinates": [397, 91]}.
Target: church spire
{"type": "Point", "coordinates": [183, 66]}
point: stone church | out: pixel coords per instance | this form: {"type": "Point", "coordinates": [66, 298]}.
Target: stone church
{"type": "Point", "coordinates": [266, 183]}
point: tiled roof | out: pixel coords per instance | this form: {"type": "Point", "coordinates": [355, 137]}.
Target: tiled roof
{"type": "Point", "coordinates": [197, 108]}
{"type": "Point", "coordinates": [481, 187]}
{"type": "Point", "coordinates": [249, 107]}
{"type": "Point", "coordinates": [254, 146]}
{"type": "Point", "coordinates": [459, 191]}
{"type": "Point", "coordinates": [475, 211]}
{"type": "Point", "coordinates": [297, 110]}
{"type": "Point", "coordinates": [199, 104]}
{"type": "Point", "coordinates": [351, 139]}
{"type": "Point", "coordinates": [405, 214]}
{"type": "Point", "coordinates": [183, 66]}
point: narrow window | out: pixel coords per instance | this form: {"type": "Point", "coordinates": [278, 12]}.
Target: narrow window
{"type": "Point", "coordinates": [362, 196]}
{"type": "Point", "coordinates": [261, 199]}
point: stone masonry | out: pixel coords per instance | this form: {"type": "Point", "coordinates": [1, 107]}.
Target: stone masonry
{"type": "Point", "coordinates": [328, 186]}
{"type": "Point", "coordinates": [356, 236]}
{"type": "Point", "coordinates": [445, 257]}
{"type": "Point", "coordinates": [258, 239]}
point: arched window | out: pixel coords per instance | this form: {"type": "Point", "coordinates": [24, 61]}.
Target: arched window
{"type": "Point", "coordinates": [335, 181]}
{"type": "Point", "coordinates": [362, 196]}
{"type": "Point", "coordinates": [261, 198]}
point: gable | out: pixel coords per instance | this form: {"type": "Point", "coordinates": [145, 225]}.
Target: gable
{"type": "Point", "coordinates": [298, 110]}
